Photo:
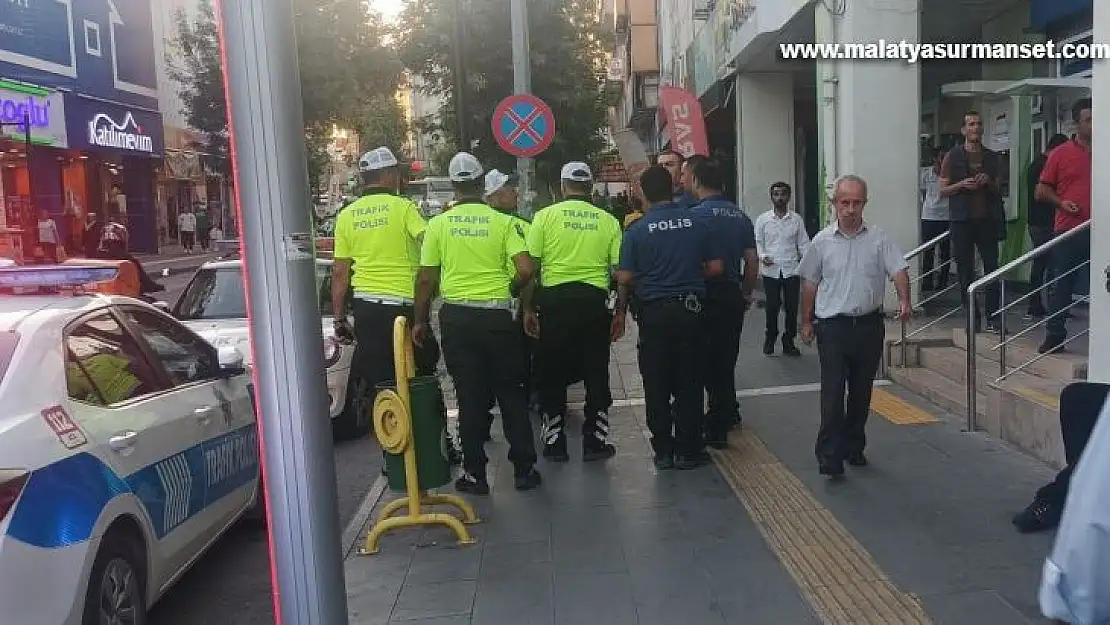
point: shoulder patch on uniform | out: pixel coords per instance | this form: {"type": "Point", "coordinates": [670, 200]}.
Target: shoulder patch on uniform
{"type": "Point", "coordinates": [64, 428]}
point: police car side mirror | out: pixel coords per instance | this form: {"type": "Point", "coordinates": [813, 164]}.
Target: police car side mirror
{"type": "Point", "coordinates": [231, 362]}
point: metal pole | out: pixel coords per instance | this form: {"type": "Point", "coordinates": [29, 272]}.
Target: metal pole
{"type": "Point", "coordinates": [30, 235]}
{"type": "Point", "coordinates": [460, 78]}
{"type": "Point", "coordinates": [971, 358]}
{"type": "Point", "coordinates": [522, 83]}
{"type": "Point", "coordinates": [262, 84]}
{"type": "Point", "coordinates": [1002, 328]}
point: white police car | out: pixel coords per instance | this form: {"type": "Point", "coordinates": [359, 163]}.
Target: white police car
{"type": "Point", "coordinates": [128, 445]}
{"type": "Point", "coordinates": [214, 305]}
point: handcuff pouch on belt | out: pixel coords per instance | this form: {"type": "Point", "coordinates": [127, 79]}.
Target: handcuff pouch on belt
{"type": "Point", "coordinates": [692, 303]}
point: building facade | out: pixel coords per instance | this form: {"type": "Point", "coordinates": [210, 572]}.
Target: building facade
{"type": "Point", "coordinates": [84, 73]}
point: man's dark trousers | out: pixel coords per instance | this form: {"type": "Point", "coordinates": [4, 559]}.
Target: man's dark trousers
{"type": "Point", "coordinates": [575, 322]}
{"type": "Point", "coordinates": [850, 349]}
{"type": "Point", "coordinates": [1066, 256]}
{"type": "Point", "coordinates": [671, 346]}
{"type": "Point", "coordinates": [373, 358]}
{"type": "Point", "coordinates": [968, 237]}
{"type": "Point", "coordinates": [1080, 406]}
{"type": "Point", "coordinates": [723, 321]}
{"type": "Point", "coordinates": [484, 352]}
{"type": "Point", "coordinates": [782, 294]}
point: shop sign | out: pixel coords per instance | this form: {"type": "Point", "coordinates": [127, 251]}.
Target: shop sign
{"type": "Point", "coordinates": [125, 134]}
{"type": "Point", "coordinates": [44, 108]}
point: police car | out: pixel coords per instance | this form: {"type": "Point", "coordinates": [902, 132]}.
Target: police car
{"type": "Point", "coordinates": [128, 445]}
{"type": "Point", "coordinates": [214, 306]}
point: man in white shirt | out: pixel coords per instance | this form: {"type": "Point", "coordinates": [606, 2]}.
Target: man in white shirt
{"type": "Point", "coordinates": [781, 240]}
{"type": "Point", "coordinates": [187, 226]}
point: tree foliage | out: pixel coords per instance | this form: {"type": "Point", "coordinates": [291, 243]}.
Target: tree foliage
{"type": "Point", "coordinates": [349, 76]}
{"type": "Point", "coordinates": [566, 66]}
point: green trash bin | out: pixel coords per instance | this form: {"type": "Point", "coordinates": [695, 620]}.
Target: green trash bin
{"type": "Point", "coordinates": [429, 436]}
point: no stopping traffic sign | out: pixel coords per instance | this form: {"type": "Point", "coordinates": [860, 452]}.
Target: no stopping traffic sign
{"type": "Point", "coordinates": [523, 125]}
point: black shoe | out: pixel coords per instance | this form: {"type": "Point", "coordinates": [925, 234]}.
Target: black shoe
{"type": "Point", "coordinates": [790, 349]}
{"type": "Point", "coordinates": [831, 469]}
{"type": "Point", "coordinates": [554, 439]}
{"type": "Point", "coordinates": [769, 345]}
{"type": "Point", "coordinates": [1038, 516]}
{"type": "Point", "coordinates": [1051, 346]}
{"type": "Point", "coordinates": [663, 462]}
{"type": "Point", "coordinates": [471, 484]}
{"type": "Point", "coordinates": [857, 459]}
{"type": "Point", "coordinates": [688, 462]}
{"type": "Point", "coordinates": [595, 452]}
{"type": "Point", "coordinates": [528, 480]}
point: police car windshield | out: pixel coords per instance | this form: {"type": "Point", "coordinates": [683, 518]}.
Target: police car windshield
{"type": "Point", "coordinates": [8, 341]}
{"type": "Point", "coordinates": [218, 294]}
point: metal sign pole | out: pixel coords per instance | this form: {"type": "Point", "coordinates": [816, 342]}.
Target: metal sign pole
{"type": "Point", "coordinates": [271, 179]}
{"type": "Point", "coordinates": [522, 83]}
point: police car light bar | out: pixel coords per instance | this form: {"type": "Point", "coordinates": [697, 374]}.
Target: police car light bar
{"type": "Point", "coordinates": [60, 276]}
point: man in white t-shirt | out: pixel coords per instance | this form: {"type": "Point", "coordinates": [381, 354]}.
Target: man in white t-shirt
{"type": "Point", "coordinates": [187, 226]}
{"type": "Point", "coordinates": [934, 222]}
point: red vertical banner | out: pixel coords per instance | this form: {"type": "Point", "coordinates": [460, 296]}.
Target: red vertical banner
{"type": "Point", "coordinates": [685, 122]}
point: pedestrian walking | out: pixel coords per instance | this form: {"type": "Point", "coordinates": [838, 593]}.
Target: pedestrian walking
{"type": "Point", "coordinates": [845, 271]}
{"type": "Point", "coordinates": [935, 221]}
{"type": "Point", "coordinates": [727, 296]}
{"type": "Point", "coordinates": [187, 227]}
{"type": "Point", "coordinates": [578, 245]}
{"type": "Point", "coordinates": [782, 240]}
{"type": "Point", "coordinates": [464, 259]}
{"type": "Point", "coordinates": [375, 264]}
{"type": "Point", "coordinates": [665, 258]}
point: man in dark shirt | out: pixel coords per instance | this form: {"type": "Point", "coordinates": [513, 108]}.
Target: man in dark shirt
{"type": "Point", "coordinates": [1041, 216]}
{"type": "Point", "coordinates": [674, 163]}
{"type": "Point", "coordinates": [727, 296]}
{"type": "Point", "coordinates": [666, 257]}
{"type": "Point", "coordinates": [969, 177]}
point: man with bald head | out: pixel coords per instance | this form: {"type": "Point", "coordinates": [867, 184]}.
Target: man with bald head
{"type": "Point", "coordinates": [844, 273]}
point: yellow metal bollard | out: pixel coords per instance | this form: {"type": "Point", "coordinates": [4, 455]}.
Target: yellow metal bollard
{"type": "Point", "coordinates": [393, 425]}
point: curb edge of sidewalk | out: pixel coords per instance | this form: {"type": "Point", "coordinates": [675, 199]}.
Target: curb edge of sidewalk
{"type": "Point", "coordinates": [358, 523]}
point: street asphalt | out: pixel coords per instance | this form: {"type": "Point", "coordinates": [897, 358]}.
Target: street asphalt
{"type": "Point", "coordinates": [230, 585]}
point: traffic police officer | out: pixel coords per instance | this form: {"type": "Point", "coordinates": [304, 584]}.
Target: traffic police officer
{"type": "Point", "coordinates": [501, 195]}
{"type": "Point", "coordinates": [464, 259]}
{"type": "Point", "coordinates": [577, 244]}
{"type": "Point", "coordinates": [727, 296]}
{"type": "Point", "coordinates": [378, 237]}
{"type": "Point", "coordinates": [666, 257]}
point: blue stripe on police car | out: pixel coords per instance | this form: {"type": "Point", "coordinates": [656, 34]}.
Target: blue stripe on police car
{"type": "Point", "coordinates": [62, 501]}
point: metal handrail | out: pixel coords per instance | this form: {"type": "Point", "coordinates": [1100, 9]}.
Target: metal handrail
{"type": "Point", "coordinates": [996, 276]}
{"type": "Point", "coordinates": [903, 342]}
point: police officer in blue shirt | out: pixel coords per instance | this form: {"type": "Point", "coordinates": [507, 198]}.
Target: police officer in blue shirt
{"type": "Point", "coordinates": [666, 257]}
{"type": "Point", "coordinates": [727, 296]}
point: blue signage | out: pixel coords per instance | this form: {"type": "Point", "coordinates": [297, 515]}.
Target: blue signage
{"type": "Point", "coordinates": [100, 126]}
{"type": "Point", "coordinates": [103, 48]}
{"type": "Point", "coordinates": [38, 34]}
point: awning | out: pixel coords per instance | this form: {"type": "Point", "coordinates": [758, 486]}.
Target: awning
{"type": "Point", "coordinates": [1041, 86]}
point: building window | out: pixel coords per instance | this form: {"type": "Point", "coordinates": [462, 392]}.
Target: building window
{"type": "Point", "coordinates": [92, 38]}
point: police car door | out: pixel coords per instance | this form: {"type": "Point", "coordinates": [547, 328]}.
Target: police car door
{"type": "Point", "coordinates": [227, 456]}
{"type": "Point", "coordinates": [128, 405]}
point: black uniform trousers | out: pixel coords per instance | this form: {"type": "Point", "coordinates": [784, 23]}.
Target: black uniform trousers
{"type": "Point", "coordinates": [575, 322]}
{"type": "Point", "coordinates": [373, 358]}
{"type": "Point", "coordinates": [782, 294]}
{"type": "Point", "coordinates": [850, 349]}
{"type": "Point", "coordinates": [1080, 406]}
{"type": "Point", "coordinates": [484, 352]}
{"type": "Point", "coordinates": [528, 349]}
{"type": "Point", "coordinates": [723, 321]}
{"type": "Point", "coordinates": [671, 346]}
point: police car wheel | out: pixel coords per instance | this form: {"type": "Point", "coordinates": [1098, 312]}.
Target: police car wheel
{"type": "Point", "coordinates": [356, 420]}
{"type": "Point", "coordinates": [116, 592]}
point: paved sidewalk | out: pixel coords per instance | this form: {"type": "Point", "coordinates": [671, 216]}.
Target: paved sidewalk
{"type": "Point", "coordinates": [921, 536]}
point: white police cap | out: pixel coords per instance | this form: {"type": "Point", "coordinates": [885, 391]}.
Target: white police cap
{"type": "Point", "coordinates": [378, 158]}
{"type": "Point", "coordinates": [464, 167]}
{"type": "Point", "coordinates": [577, 172]}
{"type": "Point", "coordinates": [495, 181]}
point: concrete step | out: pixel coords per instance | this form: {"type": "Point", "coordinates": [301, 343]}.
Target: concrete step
{"type": "Point", "coordinates": [1025, 411]}
{"type": "Point", "coordinates": [951, 362]}
{"type": "Point", "coordinates": [938, 389]}
{"type": "Point", "coordinates": [1065, 366]}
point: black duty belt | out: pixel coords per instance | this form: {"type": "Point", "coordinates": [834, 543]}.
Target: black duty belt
{"type": "Point", "coordinates": [691, 302]}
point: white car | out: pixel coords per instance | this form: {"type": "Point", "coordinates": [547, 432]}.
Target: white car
{"type": "Point", "coordinates": [214, 305]}
{"type": "Point", "coordinates": [128, 446]}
